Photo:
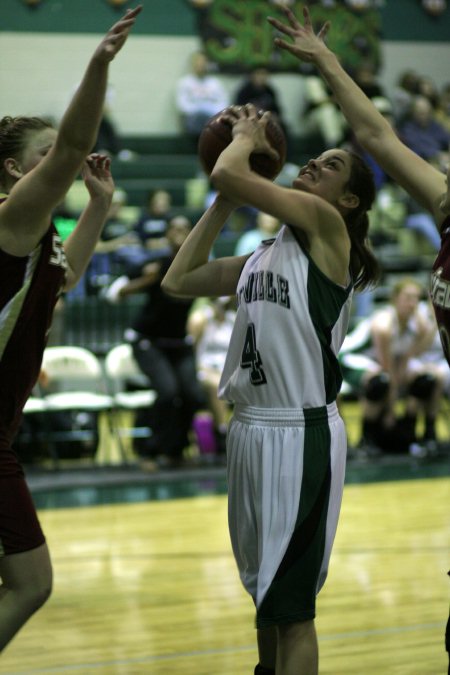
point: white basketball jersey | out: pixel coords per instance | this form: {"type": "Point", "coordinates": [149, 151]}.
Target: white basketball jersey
{"type": "Point", "coordinates": [290, 325]}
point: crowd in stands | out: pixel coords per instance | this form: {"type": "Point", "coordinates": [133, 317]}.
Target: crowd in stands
{"type": "Point", "coordinates": [392, 362]}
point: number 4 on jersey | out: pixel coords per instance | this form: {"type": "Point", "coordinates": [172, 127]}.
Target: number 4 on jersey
{"type": "Point", "coordinates": [251, 358]}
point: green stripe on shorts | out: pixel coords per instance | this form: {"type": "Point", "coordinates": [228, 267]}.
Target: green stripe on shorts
{"type": "Point", "coordinates": [292, 594]}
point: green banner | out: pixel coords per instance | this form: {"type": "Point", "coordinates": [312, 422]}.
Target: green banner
{"type": "Point", "coordinates": [237, 36]}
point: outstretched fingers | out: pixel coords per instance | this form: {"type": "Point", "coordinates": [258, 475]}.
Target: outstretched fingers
{"type": "Point", "coordinates": [304, 41]}
{"type": "Point", "coordinates": [307, 18]}
{"type": "Point", "coordinates": [127, 20]}
{"type": "Point", "coordinates": [117, 35]}
{"type": "Point", "coordinates": [282, 27]}
{"type": "Point", "coordinates": [324, 30]}
{"type": "Point", "coordinates": [308, 24]}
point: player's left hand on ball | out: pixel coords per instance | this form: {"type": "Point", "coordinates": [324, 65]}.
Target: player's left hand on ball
{"type": "Point", "coordinates": [247, 120]}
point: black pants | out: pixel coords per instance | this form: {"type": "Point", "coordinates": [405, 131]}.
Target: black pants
{"type": "Point", "coordinates": [107, 138]}
{"type": "Point", "coordinates": [173, 375]}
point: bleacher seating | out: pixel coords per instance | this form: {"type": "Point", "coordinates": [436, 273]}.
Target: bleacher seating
{"type": "Point", "coordinates": [171, 163]}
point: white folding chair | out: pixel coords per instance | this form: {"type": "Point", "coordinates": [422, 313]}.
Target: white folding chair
{"type": "Point", "coordinates": [131, 391]}
{"type": "Point", "coordinates": [76, 387]}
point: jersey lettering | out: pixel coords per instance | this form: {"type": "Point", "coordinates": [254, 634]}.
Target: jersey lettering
{"type": "Point", "coordinates": [440, 290]}
{"type": "Point", "coordinates": [251, 358]}
{"type": "Point", "coordinates": [264, 285]}
{"type": "Point", "coordinates": [58, 256]}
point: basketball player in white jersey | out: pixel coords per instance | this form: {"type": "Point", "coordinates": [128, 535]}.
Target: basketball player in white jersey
{"type": "Point", "coordinates": [286, 445]}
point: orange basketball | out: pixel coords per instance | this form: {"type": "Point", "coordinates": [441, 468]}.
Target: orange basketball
{"type": "Point", "coordinates": [217, 134]}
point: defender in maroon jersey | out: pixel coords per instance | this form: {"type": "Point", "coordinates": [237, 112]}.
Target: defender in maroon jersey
{"type": "Point", "coordinates": [440, 288]}
{"type": "Point", "coordinates": [37, 167]}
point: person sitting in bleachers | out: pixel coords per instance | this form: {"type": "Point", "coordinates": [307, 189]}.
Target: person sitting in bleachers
{"type": "Point", "coordinates": [423, 134]}
{"type": "Point", "coordinates": [152, 224]}
{"type": "Point", "coordinates": [211, 325]}
{"type": "Point", "coordinates": [199, 95]}
{"type": "Point", "coordinates": [266, 228]}
{"type": "Point", "coordinates": [164, 351]}
{"type": "Point", "coordinates": [258, 90]}
{"type": "Point", "coordinates": [321, 118]}
{"type": "Point", "coordinates": [381, 361]}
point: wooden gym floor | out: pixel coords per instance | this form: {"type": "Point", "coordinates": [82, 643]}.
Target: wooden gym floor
{"type": "Point", "coordinates": [145, 580]}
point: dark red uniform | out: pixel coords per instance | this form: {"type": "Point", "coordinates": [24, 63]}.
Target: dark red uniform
{"type": "Point", "coordinates": [29, 289]}
{"type": "Point", "coordinates": [440, 288]}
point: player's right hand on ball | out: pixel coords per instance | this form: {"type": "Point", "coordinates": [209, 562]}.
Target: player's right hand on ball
{"type": "Point", "coordinates": [246, 120]}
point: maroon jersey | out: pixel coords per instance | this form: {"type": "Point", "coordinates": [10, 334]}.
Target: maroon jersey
{"type": "Point", "coordinates": [29, 289]}
{"type": "Point", "coordinates": [440, 288]}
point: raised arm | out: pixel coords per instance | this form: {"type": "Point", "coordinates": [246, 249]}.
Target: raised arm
{"type": "Point", "coordinates": [192, 274]}
{"type": "Point", "coordinates": [425, 183]}
{"type": "Point", "coordinates": [310, 210]}
{"type": "Point", "coordinates": [38, 189]}
{"type": "Point", "coordinates": [233, 178]}
{"type": "Point", "coordinates": [80, 245]}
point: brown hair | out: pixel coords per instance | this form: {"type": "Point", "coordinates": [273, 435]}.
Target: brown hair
{"type": "Point", "coordinates": [364, 266]}
{"type": "Point", "coordinates": [402, 283]}
{"type": "Point", "coordinates": [13, 132]}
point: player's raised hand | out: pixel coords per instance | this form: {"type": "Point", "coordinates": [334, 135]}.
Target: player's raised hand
{"type": "Point", "coordinates": [117, 35]}
{"type": "Point", "coordinates": [96, 173]}
{"type": "Point", "coordinates": [305, 43]}
{"type": "Point", "coordinates": [247, 121]}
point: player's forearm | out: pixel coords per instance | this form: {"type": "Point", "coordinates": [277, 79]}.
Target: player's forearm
{"type": "Point", "coordinates": [362, 116]}
{"type": "Point", "coordinates": [80, 245]}
{"type": "Point", "coordinates": [196, 249]}
{"type": "Point", "coordinates": [79, 125]}
{"type": "Point", "coordinates": [231, 166]}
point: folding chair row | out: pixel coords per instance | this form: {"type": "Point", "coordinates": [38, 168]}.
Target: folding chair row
{"type": "Point", "coordinates": [132, 392]}
{"type": "Point", "coordinates": [78, 406]}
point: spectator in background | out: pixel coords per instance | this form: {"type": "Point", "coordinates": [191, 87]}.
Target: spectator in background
{"type": "Point", "coordinates": [199, 96]}
{"type": "Point", "coordinates": [381, 360]}
{"type": "Point", "coordinates": [108, 139]}
{"type": "Point", "coordinates": [427, 88]}
{"type": "Point", "coordinates": [365, 75]}
{"type": "Point", "coordinates": [152, 224]}
{"type": "Point", "coordinates": [423, 134]}
{"type": "Point", "coordinates": [266, 228]}
{"type": "Point", "coordinates": [211, 326]}
{"type": "Point", "coordinates": [321, 116]}
{"type": "Point", "coordinates": [256, 89]}
{"type": "Point", "coordinates": [116, 235]}
{"type": "Point", "coordinates": [164, 350]}
{"type": "Point", "coordinates": [406, 89]}
{"type": "Point", "coordinates": [420, 221]}
{"type": "Point", "coordinates": [149, 234]}
{"type": "Point", "coordinates": [442, 113]}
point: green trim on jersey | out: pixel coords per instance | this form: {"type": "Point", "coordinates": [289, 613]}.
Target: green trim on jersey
{"type": "Point", "coordinates": [325, 302]}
